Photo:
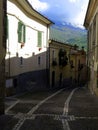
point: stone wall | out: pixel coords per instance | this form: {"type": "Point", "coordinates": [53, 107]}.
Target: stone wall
{"type": "Point", "coordinates": [2, 53]}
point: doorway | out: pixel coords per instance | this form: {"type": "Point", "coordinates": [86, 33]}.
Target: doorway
{"type": "Point", "coordinates": [53, 78]}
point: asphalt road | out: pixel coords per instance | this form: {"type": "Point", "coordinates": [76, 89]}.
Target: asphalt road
{"type": "Point", "coordinates": [65, 109]}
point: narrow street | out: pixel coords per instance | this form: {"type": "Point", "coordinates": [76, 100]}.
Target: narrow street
{"type": "Point", "coordinates": [65, 109]}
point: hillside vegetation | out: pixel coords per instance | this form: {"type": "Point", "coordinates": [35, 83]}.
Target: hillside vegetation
{"type": "Point", "coordinates": [69, 34]}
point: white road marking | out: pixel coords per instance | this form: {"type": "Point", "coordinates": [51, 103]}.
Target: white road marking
{"type": "Point", "coordinates": [90, 118]}
{"type": "Point", "coordinates": [21, 121]}
{"type": "Point", "coordinates": [43, 101]}
{"type": "Point", "coordinates": [66, 109]}
{"type": "Point", "coordinates": [65, 125]}
{"type": "Point", "coordinates": [54, 116]}
{"type": "Point", "coordinates": [19, 124]}
{"type": "Point", "coordinates": [62, 117]}
{"type": "Point", "coordinates": [65, 118]}
{"type": "Point", "coordinates": [66, 106]}
{"type": "Point", "coordinates": [11, 106]}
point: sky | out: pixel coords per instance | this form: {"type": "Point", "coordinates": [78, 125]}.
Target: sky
{"type": "Point", "coordinates": [65, 11]}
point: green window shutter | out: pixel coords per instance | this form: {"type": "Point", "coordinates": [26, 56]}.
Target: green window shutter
{"type": "Point", "coordinates": [39, 39]}
{"type": "Point", "coordinates": [19, 31]}
{"type": "Point", "coordinates": [24, 33]}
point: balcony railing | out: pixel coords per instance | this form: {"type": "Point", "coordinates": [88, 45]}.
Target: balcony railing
{"type": "Point", "coordinates": [54, 62]}
{"type": "Point", "coordinates": [63, 59]}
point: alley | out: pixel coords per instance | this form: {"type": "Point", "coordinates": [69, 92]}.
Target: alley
{"type": "Point", "coordinates": [65, 109]}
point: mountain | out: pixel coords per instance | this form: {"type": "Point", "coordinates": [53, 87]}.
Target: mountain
{"type": "Point", "coordinates": [68, 33]}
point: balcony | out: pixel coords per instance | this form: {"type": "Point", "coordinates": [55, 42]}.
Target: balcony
{"type": "Point", "coordinates": [54, 62]}
{"type": "Point", "coordinates": [63, 59]}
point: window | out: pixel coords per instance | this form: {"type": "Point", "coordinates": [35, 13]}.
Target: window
{"type": "Point", "coordinates": [39, 39]}
{"type": "Point", "coordinates": [52, 54]}
{"type": "Point", "coordinates": [54, 60]}
{"type": "Point", "coordinates": [63, 60]}
{"type": "Point", "coordinates": [39, 60]}
{"type": "Point", "coordinates": [21, 60]}
{"type": "Point", "coordinates": [71, 64]}
{"type": "Point", "coordinates": [79, 62]}
{"type": "Point", "coordinates": [79, 65]}
{"type": "Point", "coordinates": [21, 32]}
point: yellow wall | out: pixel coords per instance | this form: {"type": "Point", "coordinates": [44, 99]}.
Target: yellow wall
{"type": "Point", "coordinates": [67, 71]}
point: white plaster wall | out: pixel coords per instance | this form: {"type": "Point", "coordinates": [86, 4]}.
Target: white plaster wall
{"type": "Point", "coordinates": [30, 62]}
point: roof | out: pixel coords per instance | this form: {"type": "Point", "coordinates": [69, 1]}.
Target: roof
{"type": "Point", "coordinates": [59, 42]}
{"type": "Point", "coordinates": [73, 51]}
{"type": "Point", "coordinates": [26, 6]}
{"type": "Point", "coordinates": [93, 4]}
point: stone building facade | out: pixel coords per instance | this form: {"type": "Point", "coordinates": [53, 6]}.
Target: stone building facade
{"type": "Point", "coordinates": [2, 52]}
{"type": "Point", "coordinates": [91, 24]}
{"type": "Point", "coordinates": [67, 65]}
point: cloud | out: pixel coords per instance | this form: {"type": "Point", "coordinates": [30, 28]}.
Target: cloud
{"type": "Point", "coordinates": [79, 18]}
{"type": "Point", "coordinates": [77, 15]}
{"type": "Point", "coordinates": [72, 1]}
{"type": "Point", "coordinates": [72, 11]}
{"type": "Point", "coordinates": [38, 5]}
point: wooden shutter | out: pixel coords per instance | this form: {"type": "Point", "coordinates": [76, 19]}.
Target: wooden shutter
{"type": "Point", "coordinates": [24, 33]}
{"type": "Point", "coordinates": [21, 32]}
{"type": "Point", "coordinates": [39, 39]}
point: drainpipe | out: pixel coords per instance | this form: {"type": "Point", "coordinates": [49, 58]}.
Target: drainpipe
{"type": "Point", "coordinates": [8, 54]}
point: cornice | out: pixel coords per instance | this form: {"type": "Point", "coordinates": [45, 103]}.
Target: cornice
{"type": "Point", "coordinates": [92, 6]}
{"type": "Point", "coordinates": [25, 6]}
